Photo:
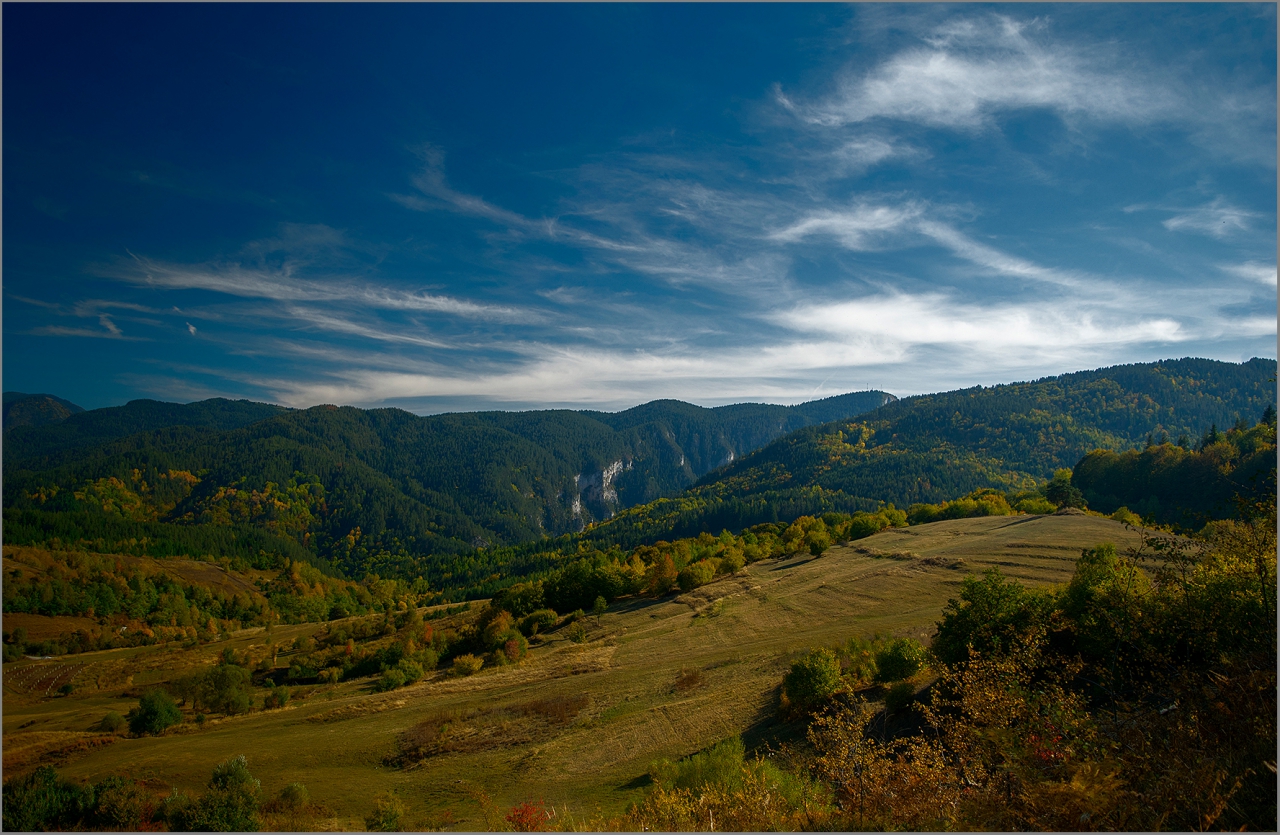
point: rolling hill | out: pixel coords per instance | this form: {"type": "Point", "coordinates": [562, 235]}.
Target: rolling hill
{"type": "Point", "coordinates": [656, 678]}
{"type": "Point", "coordinates": [940, 446]}
{"type": "Point", "coordinates": [361, 487]}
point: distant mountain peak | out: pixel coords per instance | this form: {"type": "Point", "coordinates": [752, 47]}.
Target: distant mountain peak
{"type": "Point", "coordinates": [22, 409]}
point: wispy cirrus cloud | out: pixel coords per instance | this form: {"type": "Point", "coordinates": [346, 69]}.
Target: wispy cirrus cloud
{"type": "Point", "coordinates": [283, 285]}
{"type": "Point", "coordinates": [1252, 271]}
{"type": "Point", "coordinates": [860, 227]}
{"type": "Point", "coordinates": [108, 330]}
{"type": "Point", "coordinates": [1218, 219]}
{"type": "Point", "coordinates": [942, 319]}
{"type": "Point", "coordinates": [968, 70]}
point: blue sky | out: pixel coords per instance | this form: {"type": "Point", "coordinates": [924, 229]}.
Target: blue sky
{"type": "Point", "coordinates": [446, 207]}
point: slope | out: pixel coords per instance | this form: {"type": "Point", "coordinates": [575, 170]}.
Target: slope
{"type": "Point", "coordinates": [21, 409]}
{"type": "Point", "coordinates": [936, 447]}
{"type": "Point", "coordinates": [370, 490]}
{"type": "Point", "coordinates": [655, 679]}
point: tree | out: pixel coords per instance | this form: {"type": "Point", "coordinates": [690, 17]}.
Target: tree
{"type": "Point", "coordinates": [899, 659]}
{"type": "Point", "coordinates": [230, 804]}
{"type": "Point", "coordinates": [992, 614]}
{"type": "Point", "coordinates": [1061, 492]}
{"type": "Point", "coordinates": [812, 680]}
{"type": "Point", "coordinates": [600, 607]}
{"type": "Point", "coordinates": [156, 711]}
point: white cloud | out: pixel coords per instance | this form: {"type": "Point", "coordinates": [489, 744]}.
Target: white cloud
{"type": "Point", "coordinates": [993, 259]}
{"type": "Point", "coordinates": [378, 332]}
{"type": "Point", "coordinates": [282, 285]}
{"type": "Point", "coordinates": [939, 319]}
{"type": "Point", "coordinates": [862, 227]}
{"type": "Point", "coordinates": [973, 69]}
{"type": "Point", "coordinates": [1218, 219]}
{"type": "Point", "coordinates": [1252, 271]}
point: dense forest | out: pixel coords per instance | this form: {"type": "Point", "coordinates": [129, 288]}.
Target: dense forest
{"type": "Point", "coordinates": [934, 447]}
{"type": "Point", "coordinates": [1184, 484]}
{"type": "Point", "coordinates": [384, 489]}
{"type": "Point", "coordinates": [470, 503]}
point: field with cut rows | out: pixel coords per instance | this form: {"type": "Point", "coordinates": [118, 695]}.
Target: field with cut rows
{"type": "Point", "coordinates": [574, 724]}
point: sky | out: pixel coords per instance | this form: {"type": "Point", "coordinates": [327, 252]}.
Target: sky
{"type": "Point", "coordinates": [460, 207]}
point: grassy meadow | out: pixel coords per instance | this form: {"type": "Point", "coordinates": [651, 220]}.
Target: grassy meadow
{"type": "Point", "coordinates": [575, 724]}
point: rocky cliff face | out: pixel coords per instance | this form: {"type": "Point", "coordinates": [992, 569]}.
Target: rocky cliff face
{"type": "Point", "coordinates": [597, 494]}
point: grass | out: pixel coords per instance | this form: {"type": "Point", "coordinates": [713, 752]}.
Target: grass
{"type": "Point", "coordinates": [576, 724]}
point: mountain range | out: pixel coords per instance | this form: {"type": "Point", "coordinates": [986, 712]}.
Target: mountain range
{"type": "Point", "coordinates": [358, 491]}
{"type": "Point", "coordinates": [383, 479]}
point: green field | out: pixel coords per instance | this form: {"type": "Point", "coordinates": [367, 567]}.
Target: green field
{"type": "Point", "coordinates": [574, 724]}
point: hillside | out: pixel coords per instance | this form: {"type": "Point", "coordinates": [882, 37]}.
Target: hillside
{"type": "Point", "coordinates": [363, 489]}
{"type": "Point", "coordinates": [936, 447]}
{"type": "Point", "coordinates": [576, 723]}
{"type": "Point", "coordinates": [21, 409]}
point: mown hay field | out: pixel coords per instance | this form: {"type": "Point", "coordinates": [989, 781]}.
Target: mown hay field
{"type": "Point", "coordinates": [576, 725]}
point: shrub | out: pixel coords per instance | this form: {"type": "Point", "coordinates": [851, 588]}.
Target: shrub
{"type": "Point", "coordinates": [121, 805]}
{"type": "Point", "coordinates": [865, 524]}
{"type": "Point", "coordinates": [466, 665]}
{"type": "Point", "coordinates": [992, 614]}
{"type": "Point", "coordinates": [156, 711]}
{"type": "Point", "coordinates": [230, 804]}
{"type": "Point", "coordinates": [276, 697]}
{"type": "Point", "coordinates": [696, 574]}
{"type": "Point", "coordinates": [495, 632]}
{"type": "Point", "coordinates": [515, 647]}
{"type": "Point", "coordinates": [899, 696]}
{"type": "Point", "coordinates": [223, 688]}
{"type": "Point", "coordinates": [386, 815]}
{"type": "Point", "coordinates": [858, 659]}
{"type": "Point", "coordinates": [112, 723]}
{"type": "Point", "coordinates": [577, 633]}
{"type": "Point", "coordinates": [719, 765]}
{"type": "Point", "coordinates": [391, 679]}
{"type": "Point", "coordinates": [412, 670]}
{"type": "Point", "coordinates": [1124, 514]}
{"type": "Point", "coordinates": [899, 659]}
{"type": "Point", "coordinates": [528, 817]}
{"type": "Point", "coordinates": [539, 621]}
{"type": "Point", "coordinates": [1035, 505]}
{"type": "Point", "coordinates": [732, 560]}
{"type": "Point", "coordinates": [520, 599]}
{"type": "Point", "coordinates": [812, 680]}
{"type": "Point", "coordinates": [41, 801]}
{"type": "Point", "coordinates": [293, 797]}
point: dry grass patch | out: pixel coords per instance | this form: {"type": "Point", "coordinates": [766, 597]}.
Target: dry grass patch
{"type": "Point", "coordinates": [23, 752]}
{"type": "Point", "coordinates": [689, 680]}
{"type": "Point", "coordinates": [469, 730]}
{"type": "Point", "coordinates": [362, 708]}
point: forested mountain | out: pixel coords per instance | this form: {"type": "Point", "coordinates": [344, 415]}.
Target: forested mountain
{"type": "Point", "coordinates": [939, 446]}
{"type": "Point", "coordinates": [472, 498]}
{"type": "Point", "coordinates": [363, 488]}
{"type": "Point", "coordinates": [22, 409]}
{"type": "Point", "coordinates": [81, 430]}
